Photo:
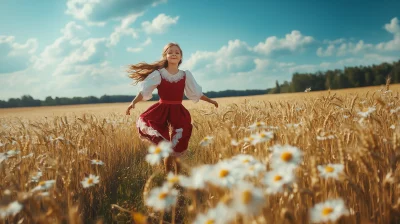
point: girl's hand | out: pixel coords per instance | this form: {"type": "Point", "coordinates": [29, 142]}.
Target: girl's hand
{"type": "Point", "coordinates": [215, 103]}
{"type": "Point", "coordinates": [131, 106]}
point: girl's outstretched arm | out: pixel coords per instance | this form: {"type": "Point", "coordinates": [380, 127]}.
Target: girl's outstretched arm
{"type": "Point", "coordinates": [138, 98]}
{"type": "Point", "coordinates": [205, 98]}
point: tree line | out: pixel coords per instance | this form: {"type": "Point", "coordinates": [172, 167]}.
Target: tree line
{"type": "Point", "coordinates": [349, 77]}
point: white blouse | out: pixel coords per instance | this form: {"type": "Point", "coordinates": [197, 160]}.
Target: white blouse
{"type": "Point", "coordinates": [193, 91]}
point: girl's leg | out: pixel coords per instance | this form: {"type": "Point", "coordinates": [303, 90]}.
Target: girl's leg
{"type": "Point", "coordinates": [170, 164]}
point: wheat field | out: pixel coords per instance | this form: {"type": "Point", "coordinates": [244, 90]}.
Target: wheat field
{"type": "Point", "coordinates": [323, 157]}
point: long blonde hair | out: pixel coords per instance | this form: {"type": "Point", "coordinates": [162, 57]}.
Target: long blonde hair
{"type": "Point", "coordinates": [140, 71]}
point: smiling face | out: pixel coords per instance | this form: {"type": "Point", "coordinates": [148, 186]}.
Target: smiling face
{"type": "Point", "coordinates": [173, 55]}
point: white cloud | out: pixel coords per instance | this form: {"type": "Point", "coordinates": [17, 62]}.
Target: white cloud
{"type": "Point", "coordinates": [139, 49]}
{"type": "Point", "coordinates": [292, 42]}
{"type": "Point", "coordinates": [345, 49]}
{"type": "Point", "coordinates": [124, 30]}
{"type": "Point", "coordinates": [325, 53]}
{"type": "Point", "coordinates": [98, 12]}
{"type": "Point", "coordinates": [392, 45]}
{"type": "Point", "coordinates": [15, 56]}
{"type": "Point", "coordinates": [159, 24]}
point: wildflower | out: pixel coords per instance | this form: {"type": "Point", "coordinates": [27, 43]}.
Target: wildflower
{"type": "Point", "coordinates": [346, 116]}
{"type": "Point", "coordinates": [90, 181]}
{"type": "Point", "coordinates": [82, 151]}
{"type": "Point", "coordinates": [392, 127]}
{"type": "Point", "coordinates": [257, 125]}
{"type": "Point", "coordinates": [28, 156]}
{"type": "Point", "coordinates": [255, 170]}
{"type": "Point", "coordinates": [331, 170]}
{"type": "Point", "coordinates": [11, 209]}
{"type": "Point", "coordinates": [225, 174]}
{"type": "Point", "coordinates": [366, 112]}
{"type": "Point", "coordinates": [156, 153]}
{"type": "Point", "coordinates": [234, 142]}
{"type": "Point", "coordinates": [275, 180]}
{"type": "Point", "coordinates": [330, 210]}
{"type": "Point", "coordinates": [97, 162]}
{"type": "Point", "coordinates": [221, 214]}
{"type": "Point", "coordinates": [244, 159]}
{"type": "Point", "coordinates": [198, 177]}
{"type": "Point", "coordinates": [36, 177]}
{"type": "Point", "coordinates": [392, 111]}
{"type": "Point", "coordinates": [285, 155]}
{"type": "Point", "coordinates": [162, 198]}
{"type": "Point", "coordinates": [262, 137]}
{"type": "Point", "coordinates": [307, 90]}
{"type": "Point", "coordinates": [12, 153]}
{"type": "Point", "coordinates": [44, 185]}
{"type": "Point", "coordinates": [293, 125]}
{"type": "Point", "coordinates": [173, 179]}
{"type": "Point", "coordinates": [324, 136]}
{"type": "Point", "coordinates": [247, 199]}
{"type": "Point", "coordinates": [206, 141]}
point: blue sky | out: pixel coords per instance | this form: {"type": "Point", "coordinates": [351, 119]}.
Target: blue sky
{"type": "Point", "coordinates": [82, 47]}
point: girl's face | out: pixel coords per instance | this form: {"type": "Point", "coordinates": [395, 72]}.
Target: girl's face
{"type": "Point", "coordinates": [174, 55]}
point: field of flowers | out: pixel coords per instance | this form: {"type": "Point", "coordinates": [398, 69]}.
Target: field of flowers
{"type": "Point", "coordinates": [300, 158]}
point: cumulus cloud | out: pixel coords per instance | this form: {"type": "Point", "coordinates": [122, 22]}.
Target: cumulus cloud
{"type": "Point", "coordinates": [141, 46]}
{"type": "Point", "coordinates": [392, 45]}
{"type": "Point", "coordinates": [292, 42]}
{"type": "Point", "coordinates": [15, 56]}
{"type": "Point", "coordinates": [159, 24]}
{"type": "Point", "coordinates": [98, 12]}
{"type": "Point", "coordinates": [124, 30]}
{"type": "Point", "coordinates": [345, 49]}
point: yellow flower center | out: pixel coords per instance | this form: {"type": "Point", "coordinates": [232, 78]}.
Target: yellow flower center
{"type": "Point", "coordinates": [90, 181]}
{"type": "Point", "coordinates": [210, 221]}
{"type": "Point", "coordinates": [327, 211]}
{"type": "Point", "coordinates": [329, 169]}
{"type": "Point", "coordinates": [287, 156]}
{"type": "Point", "coordinates": [247, 197]}
{"type": "Point", "coordinates": [42, 183]}
{"type": "Point", "coordinates": [223, 173]}
{"type": "Point", "coordinates": [163, 195]}
{"type": "Point", "coordinates": [246, 160]}
{"type": "Point", "coordinates": [258, 124]}
{"type": "Point", "coordinates": [263, 135]}
{"type": "Point", "coordinates": [277, 178]}
{"type": "Point", "coordinates": [173, 179]}
{"type": "Point", "coordinates": [158, 150]}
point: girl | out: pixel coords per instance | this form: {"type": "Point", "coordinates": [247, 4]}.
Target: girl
{"type": "Point", "coordinates": [168, 112]}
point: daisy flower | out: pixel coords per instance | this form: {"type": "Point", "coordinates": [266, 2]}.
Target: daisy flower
{"type": "Point", "coordinates": [330, 210]}
{"type": "Point", "coordinates": [285, 155]}
{"type": "Point", "coordinates": [156, 153]}
{"type": "Point", "coordinates": [198, 177]}
{"type": "Point", "coordinates": [247, 199]}
{"type": "Point", "coordinates": [97, 162]}
{"type": "Point", "coordinates": [234, 142]}
{"type": "Point", "coordinates": [44, 185]}
{"type": "Point", "coordinates": [11, 209]}
{"type": "Point", "coordinates": [255, 170]}
{"type": "Point", "coordinates": [173, 179]}
{"type": "Point", "coordinates": [12, 153]}
{"type": "Point", "coordinates": [366, 112]}
{"type": "Point", "coordinates": [257, 125]}
{"type": "Point", "coordinates": [90, 181]}
{"type": "Point", "coordinates": [225, 174]}
{"type": "Point", "coordinates": [331, 170]}
{"type": "Point", "coordinates": [206, 141]}
{"type": "Point", "coordinates": [262, 137]}
{"type": "Point", "coordinates": [221, 214]}
{"type": "Point", "coordinates": [275, 180]}
{"type": "Point", "coordinates": [162, 198]}
{"type": "Point", "coordinates": [36, 176]}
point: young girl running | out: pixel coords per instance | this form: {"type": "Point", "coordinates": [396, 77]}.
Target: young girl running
{"type": "Point", "coordinates": [172, 83]}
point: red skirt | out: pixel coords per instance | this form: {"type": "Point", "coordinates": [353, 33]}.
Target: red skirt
{"type": "Point", "coordinates": [168, 121]}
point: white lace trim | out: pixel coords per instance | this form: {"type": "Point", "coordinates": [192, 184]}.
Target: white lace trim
{"type": "Point", "coordinates": [176, 137]}
{"type": "Point", "coordinates": [146, 129]}
{"type": "Point", "coordinates": [171, 78]}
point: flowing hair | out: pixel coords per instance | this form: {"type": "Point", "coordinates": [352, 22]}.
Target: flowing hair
{"type": "Point", "coordinates": [138, 72]}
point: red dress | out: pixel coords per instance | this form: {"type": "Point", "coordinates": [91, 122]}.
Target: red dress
{"type": "Point", "coordinates": [154, 124]}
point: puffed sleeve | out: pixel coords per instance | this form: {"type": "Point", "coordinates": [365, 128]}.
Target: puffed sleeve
{"type": "Point", "coordinates": [193, 91]}
{"type": "Point", "coordinates": [147, 86]}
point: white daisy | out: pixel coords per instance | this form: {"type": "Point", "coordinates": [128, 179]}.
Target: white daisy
{"type": "Point", "coordinates": [257, 125]}
{"type": "Point", "coordinates": [366, 112]}
{"type": "Point", "coordinates": [285, 155]}
{"type": "Point", "coordinates": [156, 153]}
{"type": "Point", "coordinates": [12, 153]}
{"type": "Point", "coordinates": [254, 170]}
{"type": "Point", "coordinates": [97, 162]}
{"type": "Point", "coordinates": [247, 199]}
{"type": "Point", "coordinates": [262, 137]}
{"type": "Point", "coordinates": [11, 209]}
{"type": "Point", "coordinates": [90, 181]}
{"type": "Point", "coordinates": [162, 198]}
{"type": "Point", "coordinates": [206, 141]}
{"type": "Point", "coordinates": [44, 185]}
{"type": "Point", "coordinates": [234, 142]}
{"type": "Point", "coordinates": [36, 176]}
{"type": "Point", "coordinates": [173, 179]}
{"type": "Point", "coordinates": [28, 156]}
{"type": "Point", "coordinates": [331, 170]}
{"type": "Point", "coordinates": [198, 178]}
{"type": "Point", "coordinates": [225, 174]}
{"type": "Point", "coordinates": [221, 214]}
{"type": "Point", "coordinates": [328, 211]}
{"type": "Point", "coordinates": [275, 180]}
{"type": "Point", "coordinates": [392, 126]}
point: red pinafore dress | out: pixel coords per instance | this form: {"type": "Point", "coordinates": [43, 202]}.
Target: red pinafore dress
{"type": "Point", "coordinates": [154, 124]}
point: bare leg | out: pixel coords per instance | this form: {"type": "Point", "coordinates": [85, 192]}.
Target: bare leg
{"type": "Point", "coordinates": [168, 164]}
